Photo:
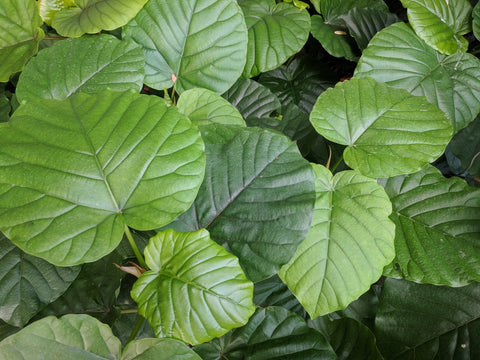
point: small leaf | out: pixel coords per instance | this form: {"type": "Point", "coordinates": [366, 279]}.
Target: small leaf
{"type": "Point", "coordinates": [195, 290]}
{"type": "Point", "coordinates": [92, 16]}
{"type": "Point", "coordinates": [349, 243]}
{"type": "Point", "coordinates": [466, 146]}
{"type": "Point", "coordinates": [388, 131]}
{"type": "Point", "coordinates": [158, 349]}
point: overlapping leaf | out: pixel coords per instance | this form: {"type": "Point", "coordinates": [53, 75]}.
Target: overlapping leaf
{"type": "Point", "coordinates": [476, 21]}
{"type": "Point", "coordinates": [275, 32]}
{"type": "Point", "coordinates": [191, 43]}
{"type": "Point", "coordinates": [195, 290]}
{"type": "Point", "coordinates": [74, 173]}
{"type": "Point", "coordinates": [274, 292]}
{"type": "Point", "coordinates": [92, 16]}
{"type": "Point", "coordinates": [48, 8]}
{"type": "Point", "coordinates": [396, 56]}
{"type": "Point", "coordinates": [466, 147]}
{"type": "Point", "coordinates": [333, 10]}
{"type": "Point", "coordinates": [158, 349]}
{"type": "Point", "coordinates": [349, 243]}
{"type": "Point", "coordinates": [20, 34]}
{"type": "Point", "coordinates": [387, 130]}
{"type": "Point", "coordinates": [437, 228]}
{"type": "Point", "coordinates": [87, 64]}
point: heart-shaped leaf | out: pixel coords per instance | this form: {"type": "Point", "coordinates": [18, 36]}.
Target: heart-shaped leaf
{"type": "Point", "coordinates": [20, 34]}
{"type": "Point", "coordinates": [437, 228]}
{"type": "Point", "coordinates": [275, 32]}
{"type": "Point", "coordinates": [195, 290]}
{"type": "Point", "coordinates": [441, 23]}
{"type": "Point", "coordinates": [388, 131]}
{"type": "Point", "coordinates": [28, 283]}
{"type": "Point", "coordinates": [349, 243]}
{"type": "Point", "coordinates": [88, 64]}
{"type": "Point", "coordinates": [396, 56]}
{"type": "Point", "coordinates": [74, 173]}
{"type": "Point", "coordinates": [92, 16]}
{"type": "Point", "coordinates": [191, 43]}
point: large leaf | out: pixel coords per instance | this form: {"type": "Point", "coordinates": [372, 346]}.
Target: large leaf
{"type": "Point", "coordinates": [88, 64]}
{"type": "Point", "coordinates": [441, 23]}
{"type": "Point", "coordinates": [387, 130]}
{"type": "Point", "coordinates": [195, 290]}
{"type": "Point", "coordinates": [19, 35]}
{"type": "Point", "coordinates": [28, 283]}
{"type": "Point", "coordinates": [349, 243]}
{"type": "Point", "coordinates": [256, 200]}
{"type": "Point", "coordinates": [428, 322]}
{"type": "Point", "coordinates": [271, 333]}
{"type": "Point", "coordinates": [437, 228]}
{"type": "Point", "coordinates": [191, 43]}
{"type": "Point", "coordinates": [158, 349]}
{"type": "Point", "coordinates": [92, 16]}
{"type": "Point", "coordinates": [74, 173]}
{"type": "Point", "coordinates": [275, 32]}
{"type": "Point", "coordinates": [399, 58]}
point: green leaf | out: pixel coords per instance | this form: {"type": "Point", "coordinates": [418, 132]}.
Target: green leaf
{"type": "Point", "coordinates": [48, 8]}
{"type": "Point", "coordinates": [20, 34]}
{"type": "Point", "coordinates": [396, 56]}
{"type": "Point", "coordinates": [428, 322]}
{"type": "Point", "coordinates": [87, 64]}
{"type": "Point", "coordinates": [123, 325]}
{"type": "Point", "coordinates": [6, 330]}
{"type": "Point", "coordinates": [466, 147]}
{"type": "Point", "coordinates": [333, 10]}
{"type": "Point", "coordinates": [195, 290]}
{"type": "Point", "coordinates": [92, 16]}
{"type": "Point", "coordinates": [74, 173]}
{"type": "Point", "coordinates": [204, 107]}
{"type": "Point", "coordinates": [275, 32]}
{"type": "Point", "coordinates": [28, 283]}
{"type": "Point", "coordinates": [387, 130]}
{"type": "Point", "coordinates": [191, 43]}
{"type": "Point", "coordinates": [441, 23]}
{"type": "Point", "coordinates": [5, 106]}
{"type": "Point", "coordinates": [256, 200]}
{"type": "Point", "coordinates": [158, 349]}
{"type": "Point", "coordinates": [271, 333]}
{"type": "Point", "coordinates": [349, 243]}
{"type": "Point", "coordinates": [437, 228]}
{"type": "Point", "coordinates": [252, 99]}
{"type": "Point", "coordinates": [476, 21]}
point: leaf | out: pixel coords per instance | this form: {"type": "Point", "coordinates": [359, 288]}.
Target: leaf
{"type": "Point", "coordinates": [349, 243]}
{"type": "Point", "coordinates": [123, 325]}
{"type": "Point", "coordinates": [87, 64]}
{"type": "Point", "coordinates": [252, 99]}
{"type": "Point", "coordinates": [271, 333]}
{"type": "Point", "coordinates": [74, 173]}
{"type": "Point", "coordinates": [203, 107]}
{"type": "Point", "coordinates": [388, 131]}
{"type": "Point", "coordinates": [20, 34]}
{"type": "Point", "coordinates": [256, 200]}
{"type": "Point", "coordinates": [191, 43]}
{"type": "Point", "coordinates": [428, 322]}
{"type": "Point", "coordinates": [476, 21]}
{"type": "Point", "coordinates": [437, 228]}
{"type": "Point", "coordinates": [5, 106]}
{"type": "Point", "coordinates": [275, 32]}
{"type": "Point", "coordinates": [158, 349]}
{"type": "Point", "coordinates": [465, 145]}
{"type": "Point", "coordinates": [27, 283]}
{"type": "Point", "coordinates": [92, 16]}
{"type": "Point", "coordinates": [195, 290]}
{"type": "Point", "coordinates": [48, 8]}
{"type": "Point", "coordinates": [396, 56]}
{"type": "Point", "coordinates": [333, 10]}
{"type": "Point", "coordinates": [441, 23]}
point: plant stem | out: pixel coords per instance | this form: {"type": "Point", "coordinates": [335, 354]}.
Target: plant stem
{"type": "Point", "coordinates": [334, 167]}
{"type": "Point", "coordinates": [138, 255]}
{"type": "Point", "coordinates": [137, 327]}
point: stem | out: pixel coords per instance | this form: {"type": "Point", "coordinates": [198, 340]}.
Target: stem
{"type": "Point", "coordinates": [54, 38]}
{"type": "Point", "coordinates": [135, 330]}
{"type": "Point", "coordinates": [138, 255]}
{"type": "Point", "coordinates": [334, 167]}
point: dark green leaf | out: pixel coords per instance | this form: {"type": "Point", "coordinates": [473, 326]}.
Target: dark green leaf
{"type": "Point", "coordinates": [158, 349]}
{"type": "Point", "coordinates": [333, 10]}
{"type": "Point", "coordinates": [476, 21]}
{"type": "Point", "coordinates": [466, 147]}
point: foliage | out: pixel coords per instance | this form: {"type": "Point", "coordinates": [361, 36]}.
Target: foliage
{"type": "Point", "coordinates": [241, 179]}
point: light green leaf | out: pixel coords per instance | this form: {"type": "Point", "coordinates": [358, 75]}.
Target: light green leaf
{"type": "Point", "coordinates": [20, 34]}
{"type": "Point", "coordinates": [256, 199]}
{"type": "Point", "coordinates": [275, 32]}
{"type": "Point", "coordinates": [191, 43]}
{"type": "Point", "coordinates": [195, 290]}
{"type": "Point", "coordinates": [48, 8]}
{"type": "Point", "coordinates": [28, 283]}
{"type": "Point", "coordinates": [271, 333]}
{"type": "Point", "coordinates": [396, 56]}
{"type": "Point", "coordinates": [437, 228]}
{"type": "Point", "coordinates": [74, 173]}
{"type": "Point", "coordinates": [428, 322]}
{"type": "Point", "coordinates": [158, 349]}
{"type": "Point", "coordinates": [441, 23]}
{"type": "Point", "coordinates": [92, 16]}
{"type": "Point", "coordinates": [204, 107]}
{"type": "Point", "coordinates": [387, 130]}
{"type": "Point", "coordinates": [87, 64]}
{"type": "Point", "coordinates": [349, 243]}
